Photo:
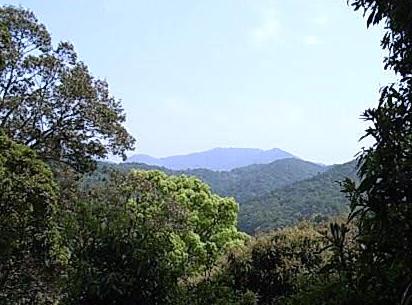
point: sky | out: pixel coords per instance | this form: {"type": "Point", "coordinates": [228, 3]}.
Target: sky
{"type": "Point", "coordinates": [193, 74]}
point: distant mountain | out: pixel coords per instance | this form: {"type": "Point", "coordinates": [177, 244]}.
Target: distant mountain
{"type": "Point", "coordinates": [218, 159]}
{"type": "Point", "coordinates": [319, 195]}
{"type": "Point", "coordinates": [251, 181]}
{"type": "Point", "coordinates": [271, 195]}
{"type": "Point", "coordinates": [245, 183]}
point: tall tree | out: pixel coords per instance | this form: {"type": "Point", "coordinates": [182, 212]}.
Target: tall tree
{"type": "Point", "coordinates": [29, 241]}
{"type": "Point", "coordinates": [383, 201]}
{"type": "Point", "coordinates": [138, 239]}
{"type": "Point", "coordinates": [50, 102]}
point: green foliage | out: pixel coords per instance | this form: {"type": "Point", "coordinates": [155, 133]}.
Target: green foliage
{"type": "Point", "coordinates": [140, 237]}
{"type": "Point", "coordinates": [337, 281]}
{"type": "Point", "coordinates": [48, 99]}
{"type": "Point", "coordinates": [398, 37]}
{"type": "Point", "coordinates": [272, 264]}
{"type": "Point", "coordinates": [244, 183]}
{"type": "Point", "coordinates": [117, 258]}
{"type": "Point", "coordinates": [210, 226]}
{"type": "Point", "coordinates": [377, 268]}
{"type": "Point", "coordinates": [29, 243]}
{"type": "Point", "coordinates": [267, 270]}
{"type": "Point", "coordinates": [382, 203]}
{"type": "Point", "coordinates": [279, 194]}
{"type": "Point", "coordinates": [253, 181]}
{"type": "Point", "coordinates": [307, 199]}
{"type": "Point", "coordinates": [148, 238]}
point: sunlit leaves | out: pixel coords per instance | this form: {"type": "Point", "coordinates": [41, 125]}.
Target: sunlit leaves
{"type": "Point", "coordinates": [30, 243]}
{"type": "Point", "coordinates": [50, 101]}
{"type": "Point", "coordinates": [141, 236]}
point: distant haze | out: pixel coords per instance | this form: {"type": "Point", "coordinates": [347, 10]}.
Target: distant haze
{"type": "Point", "coordinates": [193, 75]}
{"type": "Point", "coordinates": [215, 159]}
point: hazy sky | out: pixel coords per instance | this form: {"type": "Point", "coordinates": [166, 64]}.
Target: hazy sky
{"type": "Point", "coordinates": [198, 74]}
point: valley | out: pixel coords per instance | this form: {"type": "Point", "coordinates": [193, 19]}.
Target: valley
{"type": "Point", "coordinates": [270, 196]}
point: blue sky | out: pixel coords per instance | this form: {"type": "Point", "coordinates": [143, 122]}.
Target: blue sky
{"type": "Point", "coordinates": [195, 74]}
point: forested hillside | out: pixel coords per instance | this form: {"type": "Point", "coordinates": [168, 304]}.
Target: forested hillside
{"type": "Point", "coordinates": [252, 181]}
{"type": "Point", "coordinates": [77, 232]}
{"type": "Point", "coordinates": [270, 195]}
{"type": "Point", "coordinates": [242, 183]}
{"type": "Point", "coordinates": [320, 195]}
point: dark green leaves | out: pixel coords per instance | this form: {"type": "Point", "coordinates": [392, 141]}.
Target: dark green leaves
{"type": "Point", "coordinates": [50, 101]}
{"type": "Point", "coordinates": [29, 242]}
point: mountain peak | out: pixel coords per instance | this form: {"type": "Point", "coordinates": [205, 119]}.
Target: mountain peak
{"type": "Point", "coordinates": [219, 158]}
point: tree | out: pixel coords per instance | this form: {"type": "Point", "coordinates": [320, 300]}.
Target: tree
{"type": "Point", "coordinates": [137, 239]}
{"type": "Point", "coordinates": [50, 102]}
{"type": "Point", "coordinates": [268, 269]}
{"type": "Point", "coordinates": [382, 203]}
{"type": "Point", "coordinates": [29, 242]}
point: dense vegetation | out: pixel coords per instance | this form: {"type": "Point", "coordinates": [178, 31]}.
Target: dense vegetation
{"type": "Point", "coordinates": [137, 237]}
{"type": "Point", "coordinates": [28, 236]}
{"type": "Point", "coordinates": [270, 196]}
{"type": "Point", "coordinates": [315, 198]}
{"type": "Point", "coordinates": [143, 237]}
{"type": "Point", "coordinates": [244, 183]}
{"type": "Point", "coordinates": [50, 102]}
{"type": "Point", "coordinates": [248, 182]}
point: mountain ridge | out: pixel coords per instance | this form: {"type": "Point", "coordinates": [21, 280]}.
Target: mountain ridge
{"type": "Point", "coordinates": [318, 195]}
{"type": "Point", "coordinates": [271, 195]}
{"type": "Point", "coordinates": [217, 159]}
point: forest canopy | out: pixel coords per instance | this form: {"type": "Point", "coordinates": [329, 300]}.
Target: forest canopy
{"type": "Point", "coordinates": [50, 102]}
{"type": "Point", "coordinates": [146, 237]}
